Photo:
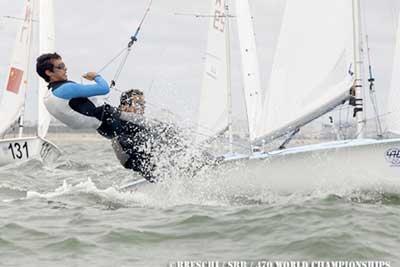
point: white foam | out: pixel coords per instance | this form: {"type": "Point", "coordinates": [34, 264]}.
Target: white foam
{"type": "Point", "coordinates": [206, 189]}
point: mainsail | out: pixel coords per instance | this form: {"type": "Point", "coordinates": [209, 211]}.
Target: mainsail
{"type": "Point", "coordinates": [392, 119]}
{"type": "Point", "coordinates": [46, 45]}
{"type": "Point", "coordinates": [250, 68]}
{"type": "Point", "coordinates": [12, 101]}
{"type": "Point", "coordinates": [310, 70]}
{"type": "Point", "coordinates": [213, 109]}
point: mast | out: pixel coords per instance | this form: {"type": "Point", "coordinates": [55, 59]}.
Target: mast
{"type": "Point", "coordinates": [228, 75]}
{"type": "Point", "coordinates": [46, 45]}
{"type": "Point", "coordinates": [358, 68]}
{"type": "Point", "coordinates": [372, 94]}
{"type": "Point", "coordinates": [21, 119]}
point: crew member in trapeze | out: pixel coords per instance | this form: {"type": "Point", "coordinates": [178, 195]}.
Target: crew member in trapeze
{"type": "Point", "coordinates": [129, 130]}
{"type": "Point", "coordinates": [69, 102]}
{"type": "Point", "coordinates": [145, 139]}
{"type": "Point", "coordinates": [132, 147]}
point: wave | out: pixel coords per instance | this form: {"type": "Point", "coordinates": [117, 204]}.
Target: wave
{"type": "Point", "coordinates": [10, 192]}
{"type": "Point", "coordinates": [205, 191]}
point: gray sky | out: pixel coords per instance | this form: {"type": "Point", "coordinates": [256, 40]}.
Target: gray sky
{"type": "Point", "coordinates": [170, 51]}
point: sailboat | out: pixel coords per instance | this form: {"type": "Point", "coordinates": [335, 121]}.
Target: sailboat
{"type": "Point", "coordinates": [12, 106]}
{"type": "Point", "coordinates": [318, 66]}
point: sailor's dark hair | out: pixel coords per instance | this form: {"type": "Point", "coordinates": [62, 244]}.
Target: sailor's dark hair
{"type": "Point", "coordinates": [45, 62]}
{"type": "Point", "coordinates": [126, 97]}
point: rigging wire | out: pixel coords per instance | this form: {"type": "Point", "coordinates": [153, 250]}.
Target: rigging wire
{"type": "Point", "coordinates": [125, 53]}
{"type": "Point", "coordinates": [371, 79]}
{"type": "Point", "coordinates": [196, 15]}
{"type": "Point", "coordinates": [18, 18]}
{"type": "Point", "coordinates": [127, 49]}
{"type": "Point", "coordinates": [393, 16]}
{"type": "Point", "coordinates": [372, 93]}
{"type": "Point", "coordinates": [112, 60]}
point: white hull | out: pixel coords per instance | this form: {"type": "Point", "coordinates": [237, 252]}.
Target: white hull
{"type": "Point", "coordinates": [134, 185]}
{"type": "Point", "coordinates": [357, 164]}
{"type": "Point", "coordinates": [17, 150]}
{"type": "Point", "coordinates": [344, 165]}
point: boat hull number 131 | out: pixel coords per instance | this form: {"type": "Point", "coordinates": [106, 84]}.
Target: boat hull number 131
{"type": "Point", "coordinates": [18, 150]}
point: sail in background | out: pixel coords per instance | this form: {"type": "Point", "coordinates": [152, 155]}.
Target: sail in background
{"type": "Point", "coordinates": [12, 101]}
{"type": "Point", "coordinates": [310, 70]}
{"type": "Point", "coordinates": [46, 45]}
{"type": "Point", "coordinates": [392, 119]}
{"type": "Point", "coordinates": [250, 67]}
{"type": "Point", "coordinates": [213, 108]}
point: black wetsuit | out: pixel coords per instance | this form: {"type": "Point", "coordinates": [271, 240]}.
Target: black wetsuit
{"type": "Point", "coordinates": [134, 142]}
{"type": "Point", "coordinates": [131, 137]}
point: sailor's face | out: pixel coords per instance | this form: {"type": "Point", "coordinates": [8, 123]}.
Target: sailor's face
{"type": "Point", "coordinates": [59, 72]}
{"type": "Point", "coordinates": [137, 106]}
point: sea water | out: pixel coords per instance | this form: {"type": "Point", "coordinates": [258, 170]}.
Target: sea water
{"type": "Point", "coordinates": [70, 213]}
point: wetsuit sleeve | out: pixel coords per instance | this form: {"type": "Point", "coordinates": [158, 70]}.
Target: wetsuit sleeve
{"type": "Point", "coordinates": [74, 90]}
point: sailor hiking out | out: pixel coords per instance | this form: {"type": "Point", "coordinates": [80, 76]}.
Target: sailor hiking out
{"type": "Point", "coordinates": [133, 147]}
{"type": "Point", "coordinates": [138, 142]}
{"type": "Point", "coordinates": [74, 105]}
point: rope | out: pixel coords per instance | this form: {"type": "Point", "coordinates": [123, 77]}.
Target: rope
{"type": "Point", "coordinates": [144, 17]}
{"type": "Point", "coordinates": [112, 60]}
{"type": "Point", "coordinates": [120, 67]}
{"type": "Point", "coordinates": [126, 49]}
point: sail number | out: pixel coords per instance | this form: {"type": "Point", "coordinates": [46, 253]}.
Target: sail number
{"type": "Point", "coordinates": [18, 151]}
{"type": "Point", "coordinates": [219, 16]}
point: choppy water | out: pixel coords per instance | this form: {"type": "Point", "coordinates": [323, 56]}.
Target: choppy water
{"type": "Point", "coordinates": [70, 214]}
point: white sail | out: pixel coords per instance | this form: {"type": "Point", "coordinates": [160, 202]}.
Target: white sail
{"type": "Point", "coordinates": [250, 67]}
{"type": "Point", "coordinates": [310, 70]}
{"type": "Point", "coordinates": [12, 101]}
{"type": "Point", "coordinates": [213, 108]}
{"type": "Point", "coordinates": [392, 120]}
{"type": "Point", "coordinates": [46, 45]}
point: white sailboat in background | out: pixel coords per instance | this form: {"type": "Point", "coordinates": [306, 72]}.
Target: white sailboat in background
{"type": "Point", "coordinates": [392, 121]}
{"type": "Point", "coordinates": [319, 40]}
{"type": "Point", "coordinates": [215, 109]}
{"type": "Point", "coordinates": [12, 105]}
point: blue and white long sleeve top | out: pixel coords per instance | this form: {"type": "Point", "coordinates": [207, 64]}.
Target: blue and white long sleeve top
{"type": "Point", "coordinates": [57, 101]}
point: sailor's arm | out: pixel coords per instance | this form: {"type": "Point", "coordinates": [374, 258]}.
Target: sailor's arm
{"type": "Point", "coordinates": [75, 90]}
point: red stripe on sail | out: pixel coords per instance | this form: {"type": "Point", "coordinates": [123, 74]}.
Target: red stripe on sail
{"type": "Point", "coordinates": [14, 80]}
